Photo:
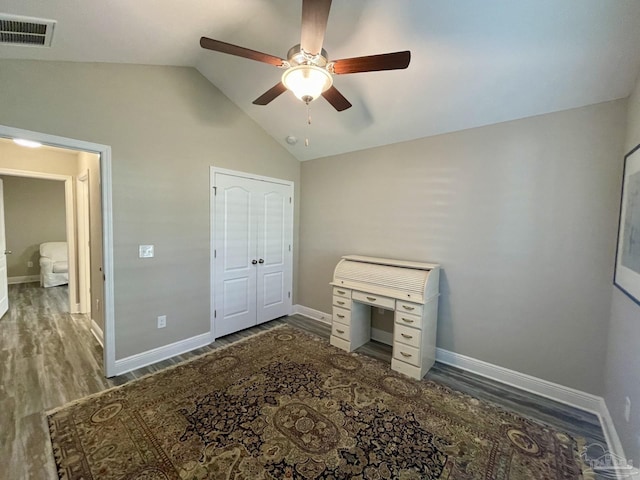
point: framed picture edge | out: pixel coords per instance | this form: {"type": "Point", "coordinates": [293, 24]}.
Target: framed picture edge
{"type": "Point", "coordinates": [615, 267]}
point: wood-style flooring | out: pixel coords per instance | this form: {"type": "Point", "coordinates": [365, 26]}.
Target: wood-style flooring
{"type": "Point", "coordinates": [49, 357]}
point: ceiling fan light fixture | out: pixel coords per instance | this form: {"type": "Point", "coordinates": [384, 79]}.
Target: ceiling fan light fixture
{"type": "Point", "coordinates": [307, 82]}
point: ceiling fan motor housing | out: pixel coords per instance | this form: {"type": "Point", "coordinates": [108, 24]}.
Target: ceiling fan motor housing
{"type": "Point", "coordinates": [297, 56]}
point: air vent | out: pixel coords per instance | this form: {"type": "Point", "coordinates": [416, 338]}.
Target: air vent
{"type": "Point", "coordinates": [17, 30]}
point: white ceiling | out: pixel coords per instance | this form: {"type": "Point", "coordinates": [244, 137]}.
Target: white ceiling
{"type": "Point", "coordinates": [473, 62]}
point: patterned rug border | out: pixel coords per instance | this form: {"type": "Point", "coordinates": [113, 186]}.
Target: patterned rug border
{"type": "Point", "coordinates": [52, 411]}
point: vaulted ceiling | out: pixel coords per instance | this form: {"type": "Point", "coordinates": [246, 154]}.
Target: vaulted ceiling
{"type": "Point", "coordinates": [473, 62]}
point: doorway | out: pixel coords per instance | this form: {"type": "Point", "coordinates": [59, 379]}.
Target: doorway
{"type": "Point", "coordinates": [102, 293]}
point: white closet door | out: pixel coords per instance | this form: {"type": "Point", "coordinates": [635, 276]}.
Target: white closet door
{"type": "Point", "coordinates": [275, 257]}
{"type": "Point", "coordinates": [4, 292]}
{"type": "Point", "coordinates": [235, 243]}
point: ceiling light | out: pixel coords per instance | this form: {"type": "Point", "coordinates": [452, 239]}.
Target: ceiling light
{"type": "Point", "coordinates": [307, 82]}
{"type": "Point", "coordinates": [27, 143]}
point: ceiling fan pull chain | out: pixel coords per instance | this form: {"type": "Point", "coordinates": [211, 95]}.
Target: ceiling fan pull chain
{"type": "Point", "coordinates": [306, 140]}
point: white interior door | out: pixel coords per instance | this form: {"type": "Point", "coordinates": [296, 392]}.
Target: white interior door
{"type": "Point", "coordinates": [84, 254]}
{"type": "Point", "coordinates": [252, 249]}
{"type": "Point", "coordinates": [235, 250]}
{"type": "Point", "coordinates": [274, 251]}
{"type": "Point", "coordinates": [4, 291]}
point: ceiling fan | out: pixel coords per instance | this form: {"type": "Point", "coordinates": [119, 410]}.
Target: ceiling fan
{"type": "Point", "coordinates": [308, 71]}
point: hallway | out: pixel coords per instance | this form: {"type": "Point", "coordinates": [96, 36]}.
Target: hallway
{"type": "Point", "coordinates": [47, 358]}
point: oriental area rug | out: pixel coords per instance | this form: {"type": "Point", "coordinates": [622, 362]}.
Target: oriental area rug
{"type": "Point", "coordinates": [285, 404]}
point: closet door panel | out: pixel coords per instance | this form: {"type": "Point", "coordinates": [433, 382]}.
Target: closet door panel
{"type": "Point", "coordinates": [235, 274]}
{"type": "Point", "coordinates": [274, 240]}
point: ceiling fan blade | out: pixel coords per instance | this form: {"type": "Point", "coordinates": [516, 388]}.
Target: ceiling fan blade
{"type": "Point", "coordinates": [315, 14]}
{"type": "Point", "coordinates": [372, 63]}
{"type": "Point", "coordinates": [223, 47]}
{"type": "Point", "coordinates": [270, 94]}
{"type": "Point", "coordinates": [335, 98]}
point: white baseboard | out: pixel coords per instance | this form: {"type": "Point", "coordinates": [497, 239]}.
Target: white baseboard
{"type": "Point", "coordinates": [155, 355]}
{"type": "Point", "coordinates": [529, 383]}
{"type": "Point", "coordinates": [559, 393]}
{"type": "Point", "coordinates": [97, 332]}
{"type": "Point", "coordinates": [610, 433]}
{"type": "Point", "coordinates": [311, 313]}
{"type": "Point", "coordinates": [75, 308]}
{"type": "Point", "coordinates": [23, 279]}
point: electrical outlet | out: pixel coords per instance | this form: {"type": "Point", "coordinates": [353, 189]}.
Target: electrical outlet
{"type": "Point", "coordinates": [29, 264]}
{"type": "Point", "coordinates": [162, 321]}
{"type": "Point", "coordinates": [627, 409]}
{"type": "Point", "coordinates": [145, 251]}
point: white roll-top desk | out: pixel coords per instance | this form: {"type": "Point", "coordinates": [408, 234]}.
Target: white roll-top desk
{"type": "Point", "coordinates": [410, 289]}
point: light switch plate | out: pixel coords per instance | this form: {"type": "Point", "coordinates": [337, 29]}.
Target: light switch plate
{"type": "Point", "coordinates": [145, 251]}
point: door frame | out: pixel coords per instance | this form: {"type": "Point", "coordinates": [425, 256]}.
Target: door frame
{"type": "Point", "coordinates": [109, 350]}
{"type": "Point", "coordinates": [83, 247]}
{"type": "Point", "coordinates": [70, 228]}
{"type": "Point", "coordinates": [212, 199]}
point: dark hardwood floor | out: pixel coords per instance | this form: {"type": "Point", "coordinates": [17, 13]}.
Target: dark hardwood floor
{"type": "Point", "coordinates": [49, 358]}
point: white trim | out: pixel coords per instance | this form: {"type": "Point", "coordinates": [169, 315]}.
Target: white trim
{"type": "Point", "coordinates": [69, 210]}
{"type": "Point", "coordinates": [109, 309]}
{"type": "Point", "coordinates": [528, 383]}
{"type": "Point", "coordinates": [311, 313]}
{"type": "Point", "coordinates": [252, 176]}
{"type": "Point", "coordinates": [70, 224]}
{"type": "Point", "coordinates": [159, 354]}
{"type": "Point", "coordinates": [97, 332]}
{"type": "Point", "coordinates": [107, 224]}
{"type": "Point", "coordinates": [212, 264]}
{"type": "Point", "coordinates": [610, 433]}
{"type": "Point", "coordinates": [83, 249]}
{"type": "Point", "coordinates": [23, 279]}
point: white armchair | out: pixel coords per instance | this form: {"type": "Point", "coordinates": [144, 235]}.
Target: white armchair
{"type": "Point", "coordinates": [54, 264]}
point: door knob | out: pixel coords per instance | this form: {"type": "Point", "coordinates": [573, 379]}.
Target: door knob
{"type": "Point", "coordinates": [8, 252]}
{"type": "Point", "coordinates": [261, 261]}
{"type": "Point", "coordinates": [253, 262]}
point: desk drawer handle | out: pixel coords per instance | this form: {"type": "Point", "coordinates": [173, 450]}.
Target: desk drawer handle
{"type": "Point", "coordinates": [339, 331]}
{"type": "Point", "coordinates": [340, 303]}
{"type": "Point", "coordinates": [341, 292]}
{"type": "Point", "coordinates": [407, 336]}
{"type": "Point", "coordinates": [408, 308]}
{"type": "Point", "coordinates": [372, 299]}
{"type": "Point", "coordinates": [408, 320]}
{"type": "Point", "coordinates": [405, 354]}
{"type": "Point", "coordinates": [339, 315]}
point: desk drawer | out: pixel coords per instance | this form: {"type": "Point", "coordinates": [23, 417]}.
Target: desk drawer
{"type": "Point", "coordinates": [407, 354]}
{"type": "Point", "coordinates": [407, 335]}
{"type": "Point", "coordinates": [341, 331]}
{"type": "Point", "coordinates": [342, 292]}
{"type": "Point", "coordinates": [408, 320]}
{"type": "Point", "coordinates": [341, 315]}
{"type": "Point", "coordinates": [377, 300]}
{"type": "Point", "coordinates": [408, 307]}
{"type": "Point", "coordinates": [341, 302]}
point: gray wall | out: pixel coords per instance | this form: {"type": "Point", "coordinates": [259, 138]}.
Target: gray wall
{"type": "Point", "coordinates": [34, 212]}
{"type": "Point", "coordinates": [622, 374]}
{"type": "Point", "coordinates": [522, 216]}
{"type": "Point", "coordinates": [166, 126]}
